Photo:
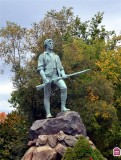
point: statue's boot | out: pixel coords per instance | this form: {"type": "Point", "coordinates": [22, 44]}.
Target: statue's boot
{"type": "Point", "coordinates": [47, 108]}
{"type": "Point", "coordinates": [49, 115]}
{"type": "Point", "coordinates": [64, 109]}
{"type": "Point", "coordinates": [63, 101]}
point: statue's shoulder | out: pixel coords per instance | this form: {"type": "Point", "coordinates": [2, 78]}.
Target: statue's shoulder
{"type": "Point", "coordinates": [41, 55]}
{"type": "Point", "coordinates": [56, 54]}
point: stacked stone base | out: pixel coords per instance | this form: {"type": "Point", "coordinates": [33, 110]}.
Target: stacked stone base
{"type": "Point", "coordinates": [49, 138]}
{"type": "Point", "coordinates": [50, 147]}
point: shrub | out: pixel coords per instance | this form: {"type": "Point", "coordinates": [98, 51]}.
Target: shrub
{"type": "Point", "coordinates": [82, 151]}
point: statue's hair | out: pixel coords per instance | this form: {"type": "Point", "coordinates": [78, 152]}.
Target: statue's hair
{"type": "Point", "coordinates": [46, 42]}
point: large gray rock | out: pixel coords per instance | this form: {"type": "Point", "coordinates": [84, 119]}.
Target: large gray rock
{"type": "Point", "coordinates": [69, 122]}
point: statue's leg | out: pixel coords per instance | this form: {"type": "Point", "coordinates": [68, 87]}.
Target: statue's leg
{"type": "Point", "coordinates": [61, 84]}
{"type": "Point", "coordinates": [47, 90]}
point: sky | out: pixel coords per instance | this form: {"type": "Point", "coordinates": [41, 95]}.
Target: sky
{"type": "Point", "coordinates": [26, 12]}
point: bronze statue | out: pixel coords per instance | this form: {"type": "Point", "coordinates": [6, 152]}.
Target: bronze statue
{"type": "Point", "coordinates": [50, 67]}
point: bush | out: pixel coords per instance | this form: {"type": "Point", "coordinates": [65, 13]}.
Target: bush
{"type": "Point", "coordinates": [82, 151]}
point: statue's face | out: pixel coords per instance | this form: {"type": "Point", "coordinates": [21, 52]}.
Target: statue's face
{"type": "Point", "coordinates": [50, 45]}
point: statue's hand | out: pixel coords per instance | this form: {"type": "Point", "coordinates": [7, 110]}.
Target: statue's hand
{"type": "Point", "coordinates": [46, 80]}
{"type": "Point", "coordinates": [65, 76]}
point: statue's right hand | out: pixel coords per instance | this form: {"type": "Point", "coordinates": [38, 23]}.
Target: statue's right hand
{"type": "Point", "coordinates": [46, 80]}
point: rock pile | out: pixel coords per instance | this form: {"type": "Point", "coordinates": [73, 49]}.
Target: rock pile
{"type": "Point", "coordinates": [50, 147]}
{"type": "Point", "coordinates": [49, 138]}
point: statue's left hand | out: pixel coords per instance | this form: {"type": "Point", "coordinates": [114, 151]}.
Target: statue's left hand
{"type": "Point", "coordinates": [65, 76]}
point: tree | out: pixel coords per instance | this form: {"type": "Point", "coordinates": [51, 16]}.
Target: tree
{"type": "Point", "coordinates": [12, 44]}
{"type": "Point", "coordinates": [13, 48]}
{"type": "Point", "coordinates": [13, 138]}
{"type": "Point", "coordinates": [110, 65]}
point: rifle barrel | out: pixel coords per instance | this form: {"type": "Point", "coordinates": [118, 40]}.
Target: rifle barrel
{"type": "Point", "coordinates": [73, 74]}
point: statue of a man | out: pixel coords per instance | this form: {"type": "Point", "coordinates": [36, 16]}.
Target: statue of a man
{"type": "Point", "coordinates": [50, 67]}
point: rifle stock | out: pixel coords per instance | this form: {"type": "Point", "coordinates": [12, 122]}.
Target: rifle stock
{"type": "Point", "coordinates": [39, 87]}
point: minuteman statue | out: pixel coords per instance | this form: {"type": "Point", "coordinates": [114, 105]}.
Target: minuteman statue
{"type": "Point", "coordinates": [50, 67]}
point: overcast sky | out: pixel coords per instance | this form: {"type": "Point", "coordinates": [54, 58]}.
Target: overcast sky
{"type": "Point", "coordinates": [25, 12]}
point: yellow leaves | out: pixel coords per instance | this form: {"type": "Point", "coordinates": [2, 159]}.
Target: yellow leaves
{"type": "Point", "coordinates": [110, 65]}
{"type": "Point", "coordinates": [104, 110]}
{"type": "Point", "coordinates": [103, 115]}
{"type": "Point", "coordinates": [97, 114]}
{"type": "Point", "coordinates": [12, 29]}
{"type": "Point", "coordinates": [92, 96]}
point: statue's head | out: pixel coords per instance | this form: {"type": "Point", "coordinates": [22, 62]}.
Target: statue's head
{"type": "Point", "coordinates": [47, 43]}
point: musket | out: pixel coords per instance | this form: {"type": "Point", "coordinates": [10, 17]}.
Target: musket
{"type": "Point", "coordinates": [58, 78]}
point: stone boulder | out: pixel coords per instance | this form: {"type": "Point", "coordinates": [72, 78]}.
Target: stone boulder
{"type": "Point", "coordinates": [29, 154]}
{"type": "Point", "coordinates": [69, 122]}
{"type": "Point", "coordinates": [44, 153]}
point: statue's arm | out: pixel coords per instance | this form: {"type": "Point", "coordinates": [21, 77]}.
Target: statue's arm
{"type": "Point", "coordinates": [41, 67]}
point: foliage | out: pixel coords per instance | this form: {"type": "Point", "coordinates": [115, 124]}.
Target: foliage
{"type": "Point", "coordinates": [103, 117]}
{"type": "Point", "coordinates": [82, 150]}
{"type": "Point", "coordinates": [110, 65]}
{"type": "Point", "coordinates": [3, 116]}
{"type": "Point", "coordinates": [13, 141]}
{"type": "Point", "coordinates": [12, 45]}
